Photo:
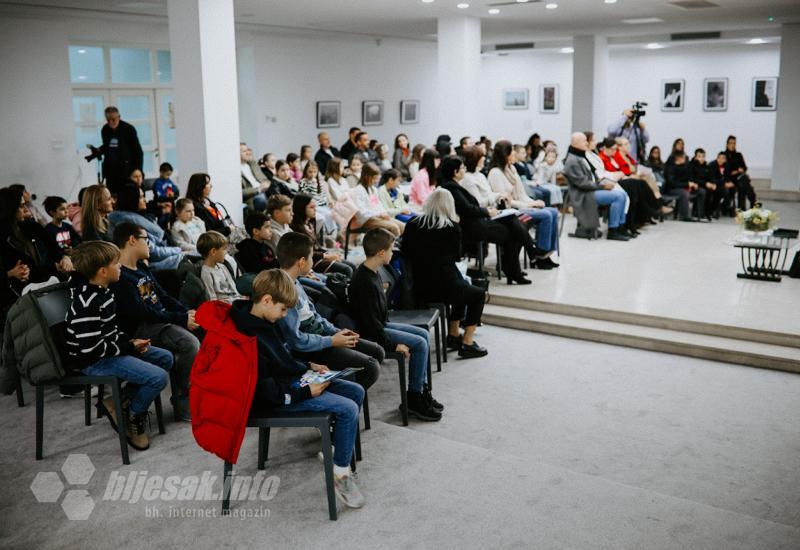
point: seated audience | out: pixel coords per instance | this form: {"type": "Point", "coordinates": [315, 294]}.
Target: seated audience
{"type": "Point", "coordinates": [279, 208]}
{"type": "Point", "coordinates": [277, 373]}
{"type": "Point", "coordinates": [632, 169]}
{"type": "Point", "coordinates": [526, 176]}
{"type": "Point", "coordinates": [326, 152]}
{"type": "Point", "coordinates": [719, 174]}
{"type": "Point", "coordinates": [478, 226]}
{"type": "Point", "coordinates": [402, 156]}
{"type": "Point", "coordinates": [349, 148]}
{"type": "Point", "coordinates": [463, 143]}
{"type": "Point", "coordinates": [153, 315]}
{"type": "Point", "coordinates": [416, 158]}
{"type": "Point", "coordinates": [136, 178]}
{"type": "Point", "coordinates": [656, 164]}
{"type": "Point", "coordinates": [699, 173]}
{"type": "Point", "coordinates": [546, 177]}
{"type": "Point", "coordinates": [363, 150]}
{"type": "Point", "coordinates": [255, 253]}
{"type": "Point", "coordinates": [737, 169]}
{"type": "Point", "coordinates": [677, 182]}
{"type": "Point", "coordinates": [97, 204]}
{"type": "Point", "coordinates": [383, 161]}
{"type": "Point", "coordinates": [267, 165]}
{"type": "Point", "coordinates": [371, 213]}
{"type": "Point", "coordinates": [503, 178]}
{"type": "Point", "coordinates": [369, 309]}
{"type": "Point", "coordinates": [533, 147]}
{"type": "Point", "coordinates": [392, 198]}
{"type": "Point", "coordinates": [312, 185]}
{"type": "Point", "coordinates": [432, 244]}
{"type": "Point", "coordinates": [59, 229]}
{"type": "Point", "coordinates": [354, 171]}
{"type": "Point", "coordinates": [310, 336]}
{"type": "Point", "coordinates": [35, 213]}
{"type": "Point", "coordinates": [131, 207]}
{"type": "Point", "coordinates": [586, 192]}
{"type": "Point", "coordinates": [187, 227]}
{"type": "Point", "coordinates": [678, 146]}
{"type": "Point", "coordinates": [475, 180]}
{"type": "Point", "coordinates": [254, 182]}
{"type": "Point", "coordinates": [426, 178]}
{"type": "Point", "coordinates": [295, 170]}
{"type": "Point", "coordinates": [304, 221]}
{"type": "Point", "coordinates": [215, 275]}
{"type": "Point", "coordinates": [283, 183]}
{"type": "Point", "coordinates": [164, 188]}
{"type": "Point", "coordinates": [209, 212]}
{"type": "Point", "coordinates": [97, 347]}
{"type": "Point", "coordinates": [337, 185]}
{"type": "Point", "coordinates": [305, 155]}
{"type": "Point", "coordinates": [75, 212]}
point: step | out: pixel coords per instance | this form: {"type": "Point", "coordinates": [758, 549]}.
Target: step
{"type": "Point", "coordinates": [676, 342]}
{"type": "Point", "coordinates": [653, 321]}
{"type": "Point", "coordinates": [778, 195]}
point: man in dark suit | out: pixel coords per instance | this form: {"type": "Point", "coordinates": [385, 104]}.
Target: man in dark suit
{"type": "Point", "coordinates": [121, 151]}
{"type": "Point", "coordinates": [349, 146]}
{"type": "Point", "coordinates": [326, 152]}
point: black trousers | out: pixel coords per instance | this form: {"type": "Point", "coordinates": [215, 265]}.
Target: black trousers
{"type": "Point", "coordinates": [466, 303]}
{"type": "Point", "coordinates": [367, 355]}
{"type": "Point", "coordinates": [687, 198]}
{"type": "Point", "coordinates": [745, 192]}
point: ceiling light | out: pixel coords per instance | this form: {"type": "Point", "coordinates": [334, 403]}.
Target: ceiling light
{"type": "Point", "coordinates": [551, 6]}
{"type": "Point", "coordinates": [643, 20]}
{"type": "Point", "coordinates": [462, 6]}
{"type": "Point", "coordinates": [654, 46]}
{"type": "Point", "coordinates": [494, 11]}
{"type": "Point", "coordinates": [611, 1]}
{"type": "Point", "coordinates": [427, 1]}
{"type": "Point", "coordinates": [522, 1]}
{"type": "Point", "coordinates": [756, 41]}
{"type": "Point", "coordinates": [567, 50]}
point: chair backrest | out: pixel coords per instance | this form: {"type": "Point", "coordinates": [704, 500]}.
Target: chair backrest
{"type": "Point", "coordinates": [54, 304]}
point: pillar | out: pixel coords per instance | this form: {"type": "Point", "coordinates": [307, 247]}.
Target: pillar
{"type": "Point", "coordinates": [589, 67]}
{"type": "Point", "coordinates": [459, 68]}
{"type": "Point", "coordinates": [203, 50]}
{"type": "Point", "coordinates": [786, 156]}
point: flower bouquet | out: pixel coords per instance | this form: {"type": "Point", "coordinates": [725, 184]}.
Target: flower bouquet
{"type": "Point", "coordinates": [756, 219]}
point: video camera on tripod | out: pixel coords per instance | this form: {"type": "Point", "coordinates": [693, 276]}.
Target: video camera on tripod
{"type": "Point", "coordinates": [637, 111]}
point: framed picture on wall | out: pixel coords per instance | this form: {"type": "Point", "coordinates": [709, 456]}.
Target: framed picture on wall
{"type": "Point", "coordinates": [672, 92]}
{"type": "Point", "coordinates": [548, 98]}
{"type": "Point", "coordinates": [409, 111]}
{"type": "Point", "coordinates": [715, 94]}
{"type": "Point", "coordinates": [515, 98]}
{"type": "Point", "coordinates": [765, 94]}
{"type": "Point", "coordinates": [371, 113]}
{"type": "Point", "coordinates": [329, 114]}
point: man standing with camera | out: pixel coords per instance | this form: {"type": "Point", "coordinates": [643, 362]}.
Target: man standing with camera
{"type": "Point", "coordinates": [630, 126]}
{"type": "Point", "coordinates": [121, 151]}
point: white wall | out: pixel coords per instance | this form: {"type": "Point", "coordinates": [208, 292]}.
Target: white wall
{"type": "Point", "coordinates": [294, 71]}
{"type": "Point", "coordinates": [645, 69]}
{"type": "Point", "coordinates": [526, 70]}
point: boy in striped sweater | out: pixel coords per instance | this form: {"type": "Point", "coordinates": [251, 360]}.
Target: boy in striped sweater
{"type": "Point", "coordinates": [97, 347]}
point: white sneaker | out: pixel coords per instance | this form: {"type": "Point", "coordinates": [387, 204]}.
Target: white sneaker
{"type": "Point", "coordinates": [347, 490]}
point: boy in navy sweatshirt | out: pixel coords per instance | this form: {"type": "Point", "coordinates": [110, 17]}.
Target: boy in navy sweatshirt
{"type": "Point", "coordinates": [278, 384]}
{"type": "Point", "coordinates": [153, 314]}
{"type": "Point", "coordinates": [98, 347]}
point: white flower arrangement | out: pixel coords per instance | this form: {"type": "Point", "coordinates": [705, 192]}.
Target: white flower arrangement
{"type": "Point", "coordinates": [757, 218]}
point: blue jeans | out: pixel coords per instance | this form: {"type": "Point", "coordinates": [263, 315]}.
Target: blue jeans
{"type": "Point", "coordinates": [343, 398]}
{"type": "Point", "coordinates": [146, 374]}
{"type": "Point", "coordinates": [416, 339]}
{"type": "Point", "coordinates": [616, 198]}
{"type": "Point", "coordinates": [546, 222]}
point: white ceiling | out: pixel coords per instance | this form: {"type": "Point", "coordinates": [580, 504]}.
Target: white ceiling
{"type": "Point", "coordinates": [515, 22]}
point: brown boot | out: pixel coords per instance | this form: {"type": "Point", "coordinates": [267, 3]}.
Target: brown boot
{"type": "Point", "coordinates": [137, 432]}
{"type": "Point", "coordinates": [107, 408]}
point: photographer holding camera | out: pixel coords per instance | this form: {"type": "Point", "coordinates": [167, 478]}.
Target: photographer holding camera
{"type": "Point", "coordinates": [631, 127]}
{"type": "Point", "coordinates": [121, 151]}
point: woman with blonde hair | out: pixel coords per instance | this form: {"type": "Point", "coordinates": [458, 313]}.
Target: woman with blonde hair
{"type": "Point", "coordinates": [432, 245]}
{"type": "Point", "coordinates": [96, 206]}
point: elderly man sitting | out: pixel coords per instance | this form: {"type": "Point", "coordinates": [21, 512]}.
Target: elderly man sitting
{"type": "Point", "coordinates": [586, 193]}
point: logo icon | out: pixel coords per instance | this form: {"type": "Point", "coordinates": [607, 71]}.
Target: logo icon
{"type": "Point", "coordinates": [76, 470]}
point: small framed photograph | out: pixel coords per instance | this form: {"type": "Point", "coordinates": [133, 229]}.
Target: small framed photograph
{"type": "Point", "coordinates": [672, 92]}
{"type": "Point", "coordinates": [715, 94]}
{"type": "Point", "coordinates": [371, 113]}
{"type": "Point", "coordinates": [329, 114]}
{"type": "Point", "coordinates": [409, 111]}
{"type": "Point", "coordinates": [765, 93]}
{"type": "Point", "coordinates": [515, 98]}
{"type": "Point", "coordinates": [548, 98]}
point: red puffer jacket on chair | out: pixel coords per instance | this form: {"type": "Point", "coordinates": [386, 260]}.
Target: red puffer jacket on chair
{"type": "Point", "coordinates": [222, 382]}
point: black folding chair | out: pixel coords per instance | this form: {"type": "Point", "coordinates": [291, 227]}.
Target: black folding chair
{"type": "Point", "coordinates": [323, 421]}
{"type": "Point", "coordinates": [401, 371]}
{"type": "Point", "coordinates": [348, 232]}
{"type": "Point", "coordinates": [53, 305]}
{"type": "Point", "coordinates": [422, 318]}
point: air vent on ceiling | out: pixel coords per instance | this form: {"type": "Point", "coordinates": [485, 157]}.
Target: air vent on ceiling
{"type": "Point", "coordinates": [694, 35]}
{"type": "Point", "coordinates": [694, 4]}
{"type": "Point", "coordinates": [514, 46]}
